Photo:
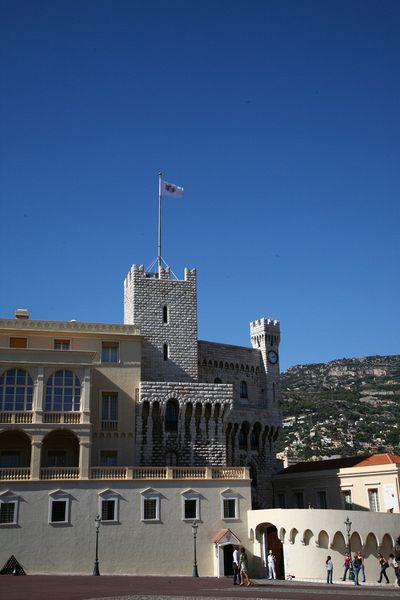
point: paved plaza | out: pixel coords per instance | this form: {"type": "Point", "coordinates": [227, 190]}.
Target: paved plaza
{"type": "Point", "coordinates": [40, 587]}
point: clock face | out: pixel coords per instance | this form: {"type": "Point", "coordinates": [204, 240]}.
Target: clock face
{"type": "Point", "coordinates": [272, 357]}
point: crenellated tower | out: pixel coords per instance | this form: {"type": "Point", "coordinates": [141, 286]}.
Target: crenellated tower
{"type": "Point", "coordinates": [265, 336]}
{"type": "Point", "coordinates": [165, 310]}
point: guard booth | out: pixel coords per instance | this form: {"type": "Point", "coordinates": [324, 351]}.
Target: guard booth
{"type": "Point", "coordinates": [224, 543]}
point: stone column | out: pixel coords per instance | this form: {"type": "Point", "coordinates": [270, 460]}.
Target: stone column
{"type": "Point", "coordinates": [37, 404]}
{"type": "Point", "coordinates": [84, 458]}
{"type": "Point", "coordinates": [36, 455]}
{"type": "Point", "coordinates": [85, 397]}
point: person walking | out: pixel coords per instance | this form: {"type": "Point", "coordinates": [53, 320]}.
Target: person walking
{"type": "Point", "coordinates": [356, 568]}
{"type": "Point", "coordinates": [362, 559]}
{"type": "Point", "coordinates": [235, 565]}
{"type": "Point", "coordinates": [383, 563]}
{"type": "Point", "coordinates": [244, 568]}
{"type": "Point", "coordinates": [346, 564]}
{"type": "Point", "coordinates": [271, 561]}
{"type": "Point", "coordinates": [329, 570]}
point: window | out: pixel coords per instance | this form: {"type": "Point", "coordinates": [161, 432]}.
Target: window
{"type": "Point", "coordinates": [9, 505]}
{"type": "Point", "coordinates": [63, 392]}
{"type": "Point", "coordinates": [190, 509]}
{"type": "Point", "coordinates": [347, 501]}
{"type": "Point", "coordinates": [150, 505]}
{"type": "Point", "coordinates": [165, 314]}
{"type": "Point", "coordinates": [56, 458]}
{"type": "Point", "coordinates": [59, 507]}
{"type": "Point", "coordinates": [165, 351]}
{"type": "Point", "coordinates": [108, 458]}
{"type": "Point", "coordinates": [321, 499]}
{"type": "Point", "coordinates": [298, 499]}
{"type": "Point", "coordinates": [373, 498]}
{"type": "Point", "coordinates": [217, 380]}
{"type": "Point", "coordinates": [61, 344]}
{"type": "Point", "coordinates": [109, 411]}
{"type": "Point", "coordinates": [18, 342]}
{"type": "Point", "coordinates": [191, 505]}
{"type": "Point", "coordinates": [230, 505]}
{"type": "Point", "coordinates": [10, 458]}
{"type": "Point", "coordinates": [16, 390]}
{"type": "Point", "coordinates": [281, 500]}
{"type": "Point", "coordinates": [110, 352]}
{"type": "Point", "coordinates": [243, 389]}
{"type": "Point", "coordinates": [109, 506]}
{"type": "Point", "coordinates": [171, 415]}
{"type": "Point", "coordinates": [229, 508]}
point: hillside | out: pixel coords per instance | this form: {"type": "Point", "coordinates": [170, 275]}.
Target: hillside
{"type": "Point", "coordinates": [343, 407]}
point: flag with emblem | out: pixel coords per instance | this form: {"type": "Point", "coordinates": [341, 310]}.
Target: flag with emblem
{"type": "Point", "coordinates": [170, 189]}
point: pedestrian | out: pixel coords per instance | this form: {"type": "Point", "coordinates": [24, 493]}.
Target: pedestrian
{"type": "Point", "coordinates": [396, 565]}
{"type": "Point", "coordinates": [356, 568]}
{"type": "Point", "coordinates": [383, 563]}
{"type": "Point", "coordinates": [271, 560]}
{"type": "Point", "coordinates": [361, 557]}
{"type": "Point", "coordinates": [235, 565]}
{"type": "Point", "coordinates": [329, 570]}
{"type": "Point", "coordinates": [244, 568]}
{"type": "Point", "coordinates": [393, 562]}
{"type": "Point", "coordinates": [346, 564]}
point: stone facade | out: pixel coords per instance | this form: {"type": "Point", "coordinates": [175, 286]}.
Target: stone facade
{"type": "Point", "coordinates": [202, 403]}
{"type": "Point", "coordinates": [165, 310]}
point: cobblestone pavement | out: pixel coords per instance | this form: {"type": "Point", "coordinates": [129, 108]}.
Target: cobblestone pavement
{"type": "Point", "coordinates": [49, 587]}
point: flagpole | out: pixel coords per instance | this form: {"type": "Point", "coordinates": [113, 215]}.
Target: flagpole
{"type": "Point", "coordinates": [159, 220]}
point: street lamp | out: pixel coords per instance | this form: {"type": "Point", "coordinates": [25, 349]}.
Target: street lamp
{"type": "Point", "coordinates": [97, 523]}
{"type": "Point", "coordinates": [194, 531]}
{"type": "Point", "coordinates": [348, 531]}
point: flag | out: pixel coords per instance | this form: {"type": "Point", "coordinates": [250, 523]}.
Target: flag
{"type": "Point", "coordinates": [170, 189]}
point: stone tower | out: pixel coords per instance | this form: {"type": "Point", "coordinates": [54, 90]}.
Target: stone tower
{"type": "Point", "coordinates": [265, 336]}
{"type": "Point", "coordinates": [165, 310]}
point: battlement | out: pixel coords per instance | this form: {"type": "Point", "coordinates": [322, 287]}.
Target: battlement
{"type": "Point", "coordinates": [265, 323]}
{"type": "Point", "coordinates": [137, 272]}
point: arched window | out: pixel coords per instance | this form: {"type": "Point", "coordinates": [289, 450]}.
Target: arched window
{"type": "Point", "coordinates": [171, 416]}
{"type": "Point", "coordinates": [63, 392]}
{"type": "Point", "coordinates": [16, 390]}
{"type": "Point", "coordinates": [243, 389]}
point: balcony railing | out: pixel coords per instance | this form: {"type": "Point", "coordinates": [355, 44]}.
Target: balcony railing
{"type": "Point", "coordinates": [15, 473]}
{"type": "Point", "coordinates": [59, 473]}
{"type": "Point", "coordinates": [167, 473]}
{"type": "Point", "coordinates": [69, 418]}
{"type": "Point", "coordinates": [16, 416]}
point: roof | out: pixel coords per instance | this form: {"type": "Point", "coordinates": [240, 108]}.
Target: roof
{"type": "Point", "coordinates": [342, 463]}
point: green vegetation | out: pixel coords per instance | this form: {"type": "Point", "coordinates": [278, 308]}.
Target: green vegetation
{"type": "Point", "coordinates": [344, 407]}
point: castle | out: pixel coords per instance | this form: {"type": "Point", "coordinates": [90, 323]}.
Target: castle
{"type": "Point", "coordinates": [140, 423]}
{"type": "Point", "coordinates": [201, 403]}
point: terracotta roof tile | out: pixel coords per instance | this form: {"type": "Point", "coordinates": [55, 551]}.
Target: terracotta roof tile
{"type": "Point", "coordinates": [342, 463]}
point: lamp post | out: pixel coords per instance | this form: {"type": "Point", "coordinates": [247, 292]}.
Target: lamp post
{"type": "Point", "coordinates": [194, 531]}
{"type": "Point", "coordinates": [348, 531]}
{"type": "Point", "coordinates": [97, 522]}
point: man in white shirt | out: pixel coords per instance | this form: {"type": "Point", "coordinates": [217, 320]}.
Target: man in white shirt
{"type": "Point", "coordinates": [271, 565]}
{"type": "Point", "coordinates": [235, 565]}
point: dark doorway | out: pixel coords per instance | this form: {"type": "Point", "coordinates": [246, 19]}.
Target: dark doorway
{"type": "Point", "coordinates": [228, 554]}
{"type": "Point", "coordinates": [275, 545]}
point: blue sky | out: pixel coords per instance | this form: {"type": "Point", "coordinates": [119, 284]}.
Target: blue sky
{"type": "Point", "coordinates": [279, 118]}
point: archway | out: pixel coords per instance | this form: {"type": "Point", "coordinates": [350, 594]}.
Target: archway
{"type": "Point", "coordinates": [15, 449]}
{"type": "Point", "coordinates": [268, 539]}
{"type": "Point", "coordinates": [60, 449]}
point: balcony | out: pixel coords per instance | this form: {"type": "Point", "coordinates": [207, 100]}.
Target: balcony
{"type": "Point", "coordinates": [16, 417]}
{"type": "Point", "coordinates": [69, 418]}
{"type": "Point", "coordinates": [127, 473]}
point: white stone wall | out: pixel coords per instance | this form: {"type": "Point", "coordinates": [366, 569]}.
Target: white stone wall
{"type": "Point", "coordinates": [130, 545]}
